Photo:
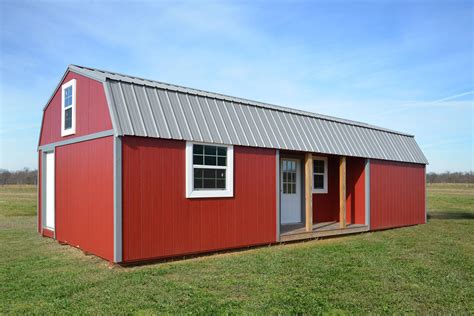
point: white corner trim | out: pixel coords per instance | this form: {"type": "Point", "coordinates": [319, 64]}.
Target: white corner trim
{"type": "Point", "coordinates": [325, 189]}
{"type": "Point", "coordinates": [367, 192]}
{"type": "Point", "coordinates": [229, 190]}
{"type": "Point", "coordinates": [117, 199]}
{"type": "Point", "coordinates": [278, 194]}
{"type": "Point", "coordinates": [72, 130]}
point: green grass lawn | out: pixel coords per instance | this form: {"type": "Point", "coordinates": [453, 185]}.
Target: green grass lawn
{"type": "Point", "coordinates": [420, 269]}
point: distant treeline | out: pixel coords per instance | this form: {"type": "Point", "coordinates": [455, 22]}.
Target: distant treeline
{"type": "Point", "coordinates": [450, 177]}
{"type": "Point", "coordinates": [25, 176]}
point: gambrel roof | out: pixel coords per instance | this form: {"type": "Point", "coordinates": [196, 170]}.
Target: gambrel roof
{"type": "Point", "coordinates": [141, 107]}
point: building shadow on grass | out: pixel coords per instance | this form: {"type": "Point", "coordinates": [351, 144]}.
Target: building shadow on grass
{"type": "Point", "coordinates": [451, 215]}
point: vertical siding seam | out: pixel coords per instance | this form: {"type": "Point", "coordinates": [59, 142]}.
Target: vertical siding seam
{"type": "Point", "coordinates": [147, 100]}
{"type": "Point", "coordinates": [160, 106]}
{"type": "Point", "coordinates": [213, 121]}
{"type": "Point", "coordinates": [126, 108]}
{"type": "Point", "coordinates": [173, 114]}
{"type": "Point", "coordinates": [132, 87]}
{"type": "Point", "coordinates": [194, 117]}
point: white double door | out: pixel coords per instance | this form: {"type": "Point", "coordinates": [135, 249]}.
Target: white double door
{"type": "Point", "coordinates": [290, 191]}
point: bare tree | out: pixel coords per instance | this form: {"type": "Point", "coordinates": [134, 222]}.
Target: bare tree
{"type": "Point", "coordinates": [450, 177]}
{"type": "Point", "coordinates": [25, 176]}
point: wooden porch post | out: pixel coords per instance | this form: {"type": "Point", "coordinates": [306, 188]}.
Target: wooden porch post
{"type": "Point", "coordinates": [308, 180]}
{"type": "Point", "coordinates": [342, 192]}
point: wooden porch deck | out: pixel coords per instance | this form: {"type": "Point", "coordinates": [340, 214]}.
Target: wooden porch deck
{"type": "Point", "coordinates": [292, 232]}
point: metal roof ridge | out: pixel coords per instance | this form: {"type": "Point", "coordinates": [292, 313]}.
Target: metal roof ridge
{"type": "Point", "coordinates": [172, 87]}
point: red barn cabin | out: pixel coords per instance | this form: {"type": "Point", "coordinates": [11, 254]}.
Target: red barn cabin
{"type": "Point", "coordinates": [132, 169]}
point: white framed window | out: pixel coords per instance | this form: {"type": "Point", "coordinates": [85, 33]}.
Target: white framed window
{"type": "Point", "coordinates": [68, 108]}
{"type": "Point", "coordinates": [320, 175]}
{"type": "Point", "coordinates": [209, 170]}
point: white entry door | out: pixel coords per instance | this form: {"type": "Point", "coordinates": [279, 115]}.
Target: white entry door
{"type": "Point", "coordinates": [49, 190]}
{"type": "Point", "coordinates": [290, 191]}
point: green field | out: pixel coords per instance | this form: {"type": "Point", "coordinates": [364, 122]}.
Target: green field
{"type": "Point", "coordinates": [420, 269]}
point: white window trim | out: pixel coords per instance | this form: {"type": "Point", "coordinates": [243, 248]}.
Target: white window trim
{"type": "Point", "coordinates": [72, 130]}
{"type": "Point", "coordinates": [229, 190]}
{"type": "Point", "coordinates": [325, 189]}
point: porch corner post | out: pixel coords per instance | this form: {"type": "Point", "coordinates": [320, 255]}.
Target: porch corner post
{"type": "Point", "coordinates": [308, 168]}
{"type": "Point", "coordinates": [342, 192]}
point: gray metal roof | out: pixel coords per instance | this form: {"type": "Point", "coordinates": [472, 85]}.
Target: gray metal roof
{"type": "Point", "coordinates": [141, 107]}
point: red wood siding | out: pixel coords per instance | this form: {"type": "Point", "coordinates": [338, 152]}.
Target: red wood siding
{"type": "Point", "coordinates": [92, 112]}
{"type": "Point", "coordinates": [159, 221]}
{"type": "Point", "coordinates": [397, 194]}
{"type": "Point", "coordinates": [326, 205]}
{"type": "Point", "coordinates": [355, 189]}
{"type": "Point", "coordinates": [84, 196]}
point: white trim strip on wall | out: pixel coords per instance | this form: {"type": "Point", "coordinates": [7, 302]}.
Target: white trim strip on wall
{"type": "Point", "coordinates": [367, 192]}
{"type": "Point", "coordinates": [277, 195]}
{"type": "Point", "coordinates": [117, 199]}
{"type": "Point", "coordinates": [49, 147]}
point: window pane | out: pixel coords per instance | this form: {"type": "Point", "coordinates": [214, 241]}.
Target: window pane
{"type": "Point", "coordinates": [68, 97]}
{"type": "Point", "coordinates": [197, 183]}
{"type": "Point", "coordinates": [210, 160]}
{"type": "Point", "coordinates": [222, 151]}
{"type": "Point", "coordinates": [210, 150]}
{"type": "Point", "coordinates": [209, 173]}
{"type": "Point", "coordinates": [209, 184]}
{"type": "Point", "coordinates": [318, 181]}
{"type": "Point", "coordinates": [318, 166]}
{"type": "Point", "coordinates": [198, 160]}
{"type": "Point", "coordinates": [197, 149]}
{"type": "Point", "coordinates": [221, 184]}
{"type": "Point", "coordinates": [209, 178]}
{"type": "Point", "coordinates": [68, 118]}
{"type": "Point", "coordinates": [222, 161]}
{"type": "Point", "coordinates": [198, 173]}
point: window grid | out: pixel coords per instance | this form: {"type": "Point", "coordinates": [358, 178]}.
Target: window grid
{"type": "Point", "coordinates": [319, 175]}
{"type": "Point", "coordinates": [289, 177]}
{"type": "Point", "coordinates": [209, 167]}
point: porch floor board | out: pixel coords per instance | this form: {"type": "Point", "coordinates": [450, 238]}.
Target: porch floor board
{"type": "Point", "coordinates": [293, 232]}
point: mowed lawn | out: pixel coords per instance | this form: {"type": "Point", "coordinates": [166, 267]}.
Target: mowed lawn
{"type": "Point", "coordinates": [420, 269]}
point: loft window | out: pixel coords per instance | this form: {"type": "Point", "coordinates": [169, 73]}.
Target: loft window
{"type": "Point", "coordinates": [68, 108]}
{"type": "Point", "coordinates": [320, 175]}
{"type": "Point", "coordinates": [209, 170]}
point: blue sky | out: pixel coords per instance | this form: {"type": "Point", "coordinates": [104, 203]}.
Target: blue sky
{"type": "Point", "coordinates": [403, 65]}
